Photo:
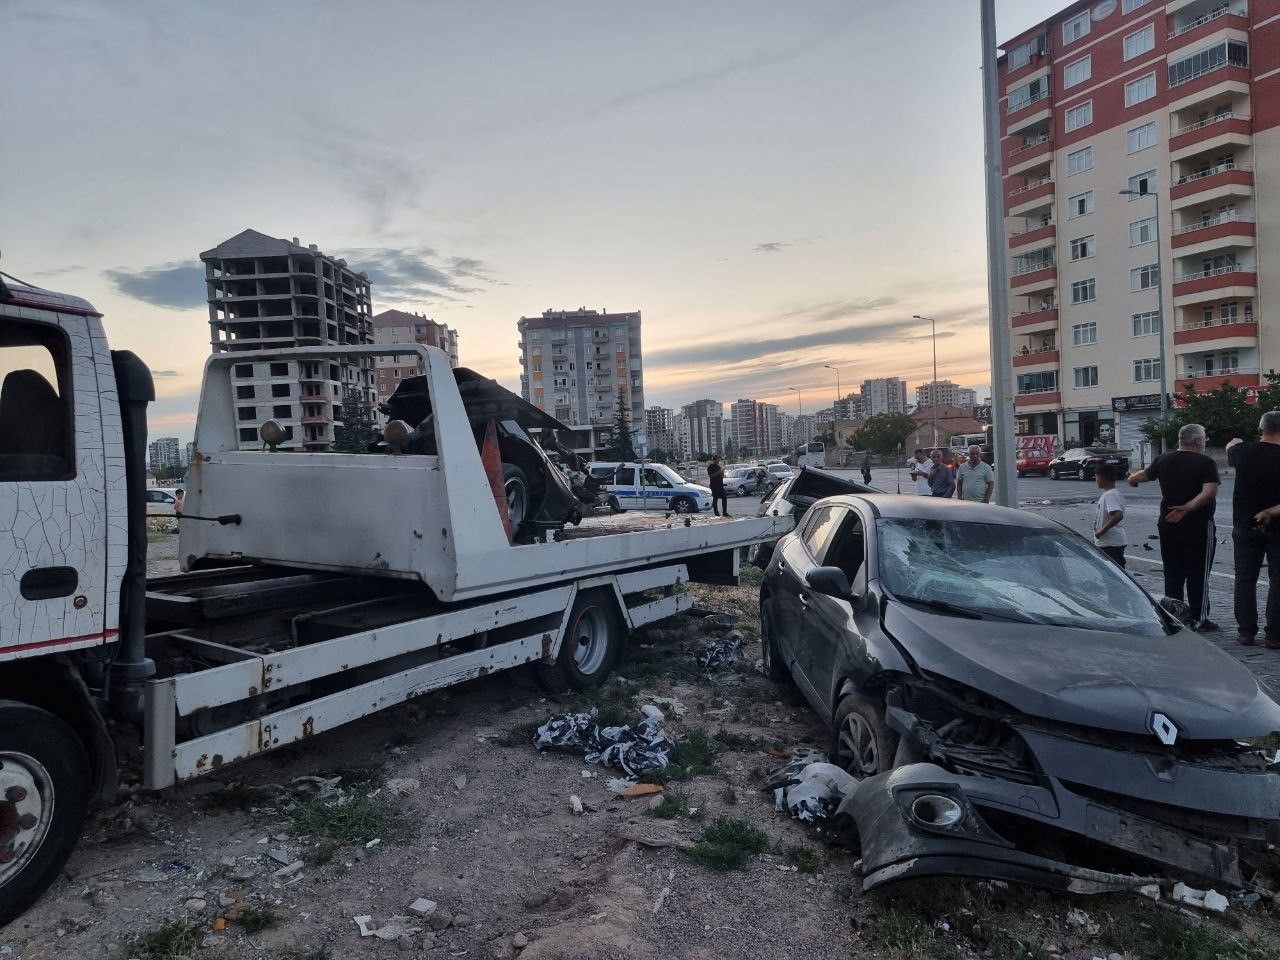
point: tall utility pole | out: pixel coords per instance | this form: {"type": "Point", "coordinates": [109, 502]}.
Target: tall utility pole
{"type": "Point", "coordinates": [835, 411]}
{"type": "Point", "coordinates": [799, 401]}
{"type": "Point", "coordinates": [933, 325]}
{"type": "Point", "coordinates": [1164, 394]}
{"type": "Point", "coordinates": [997, 273]}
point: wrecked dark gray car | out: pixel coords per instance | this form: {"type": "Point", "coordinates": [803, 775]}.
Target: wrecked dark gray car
{"type": "Point", "coordinates": [1016, 706]}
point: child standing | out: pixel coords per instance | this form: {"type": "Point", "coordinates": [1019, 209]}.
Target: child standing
{"type": "Point", "coordinates": [1108, 532]}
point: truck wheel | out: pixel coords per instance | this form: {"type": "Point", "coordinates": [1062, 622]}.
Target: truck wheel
{"type": "Point", "coordinates": [684, 505]}
{"type": "Point", "coordinates": [861, 742]}
{"type": "Point", "coordinates": [774, 666]}
{"type": "Point", "coordinates": [44, 778]}
{"type": "Point", "coordinates": [591, 648]}
{"type": "Point", "coordinates": [516, 485]}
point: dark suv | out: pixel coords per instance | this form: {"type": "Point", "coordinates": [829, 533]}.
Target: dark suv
{"type": "Point", "coordinates": [1082, 462]}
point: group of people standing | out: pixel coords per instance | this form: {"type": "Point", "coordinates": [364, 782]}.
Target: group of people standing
{"type": "Point", "coordinates": [972, 479]}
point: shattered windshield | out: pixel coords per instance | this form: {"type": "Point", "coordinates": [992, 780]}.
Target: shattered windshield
{"type": "Point", "coordinates": [1003, 572]}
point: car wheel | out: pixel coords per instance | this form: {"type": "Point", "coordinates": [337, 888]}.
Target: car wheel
{"type": "Point", "coordinates": [740, 492]}
{"type": "Point", "coordinates": [516, 485]}
{"type": "Point", "coordinates": [1054, 474]}
{"type": "Point", "coordinates": [615, 506]}
{"type": "Point", "coordinates": [775, 668]}
{"type": "Point", "coordinates": [684, 505]}
{"type": "Point", "coordinates": [591, 647]}
{"type": "Point", "coordinates": [861, 742]}
{"type": "Point", "coordinates": [44, 777]}
{"type": "Point", "coordinates": [1021, 474]}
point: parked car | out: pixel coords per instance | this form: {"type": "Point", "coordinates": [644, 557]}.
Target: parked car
{"type": "Point", "coordinates": [651, 486]}
{"type": "Point", "coordinates": [741, 481]}
{"type": "Point", "coordinates": [1082, 462]}
{"type": "Point", "coordinates": [779, 471]}
{"type": "Point", "coordinates": [1034, 460]}
{"type": "Point", "coordinates": [160, 503]}
{"type": "Point", "coordinates": [1015, 705]}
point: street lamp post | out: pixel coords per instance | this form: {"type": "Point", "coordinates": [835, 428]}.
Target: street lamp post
{"type": "Point", "coordinates": [1164, 394]}
{"type": "Point", "coordinates": [799, 401]}
{"type": "Point", "coordinates": [933, 324]}
{"type": "Point", "coordinates": [834, 413]}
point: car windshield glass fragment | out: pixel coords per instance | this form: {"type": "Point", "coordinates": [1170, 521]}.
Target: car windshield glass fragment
{"type": "Point", "coordinates": [1009, 572]}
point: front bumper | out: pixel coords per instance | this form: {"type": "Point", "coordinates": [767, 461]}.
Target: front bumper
{"type": "Point", "coordinates": [897, 843]}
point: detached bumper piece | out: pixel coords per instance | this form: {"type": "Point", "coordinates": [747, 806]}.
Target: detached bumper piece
{"type": "Point", "coordinates": [920, 820]}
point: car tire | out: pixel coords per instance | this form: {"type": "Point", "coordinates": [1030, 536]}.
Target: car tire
{"type": "Point", "coordinates": [516, 485]}
{"type": "Point", "coordinates": [1054, 474]}
{"type": "Point", "coordinates": [39, 753]}
{"type": "Point", "coordinates": [615, 505]}
{"type": "Point", "coordinates": [1021, 474]}
{"type": "Point", "coordinates": [683, 505]}
{"type": "Point", "coordinates": [591, 648]}
{"type": "Point", "coordinates": [861, 741]}
{"type": "Point", "coordinates": [775, 668]}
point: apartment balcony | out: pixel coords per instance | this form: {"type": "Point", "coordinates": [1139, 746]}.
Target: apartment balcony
{"type": "Point", "coordinates": [1208, 88]}
{"type": "Point", "coordinates": [1217, 334]}
{"type": "Point", "coordinates": [1189, 34]}
{"type": "Point", "coordinates": [1027, 155]}
{"type": "Point", "coordinates": [1206, 186]}
{"type": "Point", "coordinates": [1205, 382]}
{"type": "Point", "coordinates": [1035, 359]}
{"type": "Point", "coordinates": [316, 419]}
{"type": "Point", "coordinates": [1036, 321]}
{"type": "Point", "coordinates": [1031, 239]}
{"type": "Point", "coordinates": [1208, 235]}
{"type": "Point", "coordinates": [1034, 281]}
{"type": "Point", "coordinates": [1021, 200]}
{"type": "Point", "coordinates": [1038, 401]}
{"type": "Point", "coordinates": [1221, 283]}
{"type": "Point", "coordinates": [1213, 133]}
{"type": "Point", "coordinates": [1028, 113]}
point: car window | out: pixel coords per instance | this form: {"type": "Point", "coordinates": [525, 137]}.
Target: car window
{"type": "Point", "coordinates": [848, 548]}
{"type": "Point", "coordinates": [625, 477]}
{"type": "Point", "coordinates": [820, 530]}
{"type": "Point", "coordinates": [36, 433]}
{"type": "Point", "coordinates": [652, 478]}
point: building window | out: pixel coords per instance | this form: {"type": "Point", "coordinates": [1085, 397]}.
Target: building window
{"type": "Point", "coordinates": [1075, 28]}
{"type": "Point", "coordinates": [1078, 161]}
{"type": "Point", "coordinates": [1080, 205]}
{"type": "Point", "coordinates": [1230, 311]}
{"type": "Point", "coordinates": [1085, 377]}
{"type": "Point", "coordinates": [1146, 324]}
{"type": "Point", "coordinates": [248, 413]}
{"type": "Point", "coordinates": [1140, 41]}
{"type": "Point", "coordinates": [1077, 72]}
{"type": "Point", "coordinates": [1144, 278]}
{"type": "Point", "coordinates": [244, 393]}
{"type": "Point", "coordinates": [1142, 231]}
{"type": "Point", "coordinates": [244, 370]}
{"type": "Point", "coordinates": [1080, 116]}
{"type": "Point", "coordinates": [279, 369]}
{"type": "Point", "coordinates": [1082, 247]}
{"type": "Point", "coordinates": [1128, 6]}
{"type": "Point", "coordinates": [283, 411]}
{"type": "Point", "coordinates": [1021, 55]}
{"type": "Point", "coordinates": [248, 435]}
{"type": "Point", "coordinates": [1083, 334]}
{"type": "Point", "coordinates": [1142, 137]}
{"type": "Point", "coordinates": [1228, 52]}
{"type": "Point", "coordinates": [1037, 89]}
{"type": "Point", "coordinates": [1136, 91]}
{"type": "Point", "coordinates": [1082, 291]}
{"type": "Point", "coordinates": [280, 390]}
{"type": "Point", "coordinates": [1148, 369]}
{"type": "Point", "coordinates": [1045, 381]}
{"type": "Point", "coordinates": [1141, 183]}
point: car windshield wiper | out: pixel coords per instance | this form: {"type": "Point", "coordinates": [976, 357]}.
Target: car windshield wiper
{"type": "Point", "coordinates": [943, 607]}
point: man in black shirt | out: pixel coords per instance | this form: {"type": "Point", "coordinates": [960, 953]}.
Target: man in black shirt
{"type": "Point", "coordinates": [1188, 495]}
{"type": "Point", "coordinates": [1257, 468]}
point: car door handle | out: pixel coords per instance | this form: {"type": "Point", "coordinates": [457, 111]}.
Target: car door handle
{"type": "Point", "coordinates": [804, 599]}
{"type": "Point", "coordinates": [781, 565]}
{"type": "Point", "coordinates": [48, 583]}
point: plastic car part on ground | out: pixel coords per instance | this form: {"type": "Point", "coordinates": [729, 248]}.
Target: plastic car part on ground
{"type": "Point", "coordinates": [635, 749]}
{"type": "Point", "coordinates": [720, 652]}
{"type": "Point", "coordinates": [808, 787]}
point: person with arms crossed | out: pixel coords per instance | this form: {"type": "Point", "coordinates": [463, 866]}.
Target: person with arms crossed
{"type": "Point", "coordinates": [715, 480]}
{"type": "Point", "coordinates": [975, 479]}
{"type": "Point", "coordinates": [942, 482]}
{"type": "Point", "coordinates": [1108, 534]}
{"type": "Point", "coordinates": [1188, 496]}
{"type": "Point", "coordinates": [1255, 532]}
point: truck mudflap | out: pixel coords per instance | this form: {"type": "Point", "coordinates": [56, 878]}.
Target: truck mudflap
{"type": "Point", "coordinates": [919, 820]}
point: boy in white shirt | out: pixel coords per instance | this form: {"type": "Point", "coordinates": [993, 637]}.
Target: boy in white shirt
{"type": "Point", "coordinates": [919, 467]}
{"type": "Point", "coordinates": [1108, 532]}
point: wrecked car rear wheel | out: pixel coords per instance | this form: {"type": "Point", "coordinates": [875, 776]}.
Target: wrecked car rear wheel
{"type": "Point", "coordinates": [591, 648]}
{"type": "Point", "coordinates": [775, 668]}
{"type": "Point", "coordinates": [516, 485]}
{"type": "Point", "coordinates": [861, 743]}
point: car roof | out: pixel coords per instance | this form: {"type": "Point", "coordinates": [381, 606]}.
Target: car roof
{"type": "Point", "coordinates": [895, 506]}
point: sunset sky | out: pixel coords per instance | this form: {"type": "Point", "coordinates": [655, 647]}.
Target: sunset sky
{"type": "Point", "coordinates": [775, 186]}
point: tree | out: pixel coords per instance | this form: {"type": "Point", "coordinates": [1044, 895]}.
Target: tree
{"type": "Point", "coordinates": [621, 444]}
{"type": "Point", "coordinates": [1224, 413]}
{"type": "Point", "coordinates": [730, 450]}
{"type": "Point", "coordinates": [357, 430]}
{"type": "Point", "coordinates": [660, 456]}
{"type": "Point", "coordinates": [884, 432]}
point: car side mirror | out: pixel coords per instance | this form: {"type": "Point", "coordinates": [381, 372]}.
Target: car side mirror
{"type": "Point", "coordinates": [830, 581]}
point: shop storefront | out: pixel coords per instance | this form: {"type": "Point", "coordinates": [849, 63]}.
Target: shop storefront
{"type": "Point", "coordinates": [1088, 428]}
{"type": "Point", "coordinates": [1131, 413]}
{"type": "Point", "coordinates": [1038, 424]}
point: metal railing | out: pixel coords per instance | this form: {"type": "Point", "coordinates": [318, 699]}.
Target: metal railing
{"type": "Point", "coordinates": [1022, 271]}
{"type": "Point", "coordinates": [1215, 221]}
{"type": "Point", "coordinates": [1037, 390]}
{"type": "Point", "coordinates": [1203, 324]}
{"type": "Point", "coordinates": [1033, 351]}
{"type": "Point", "coordinates": [1210, 68]}
{"type": "Point", "coordinates": [1030, 186]}
{"type": "Point", "coordinates": [1030, 145]}
{"type": "Point", "coordinates": [1036, 98]}
{"type": "Point", "coordinates": [1019, 233]}
{"type": "Point", "coordinates": [1215, 272]}
{"type": "Point", "coordinates": [1209, 121]}
{"type": "Point", "coordinates": [1212, 171]}
{"type": "Point", "coordinates": [1224, 372]}
{"type": "Point", "coordinates": [1209, 17]}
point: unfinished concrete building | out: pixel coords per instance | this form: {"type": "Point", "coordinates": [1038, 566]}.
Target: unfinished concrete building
{"type": "Point", "coordinates": [267, 293]}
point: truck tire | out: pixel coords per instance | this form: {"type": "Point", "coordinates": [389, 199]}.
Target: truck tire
{"type": "Point", "coordinates": [592, 645]}
{"type": "Point", "coordinates": [44, 784]}
{"type": "Point", "coordinates": [516, 485]}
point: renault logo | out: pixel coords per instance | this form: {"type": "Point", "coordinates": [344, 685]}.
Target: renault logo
{"type": "Point", "coordinates": [1164, 729]}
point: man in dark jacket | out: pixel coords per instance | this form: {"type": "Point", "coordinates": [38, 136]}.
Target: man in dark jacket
{"type": "Point", "coordinates": [715, 480]}
{"type": "Point", "coordinates": [942, 479]}
{"type": "Point", "coordinates": [1254, 534]}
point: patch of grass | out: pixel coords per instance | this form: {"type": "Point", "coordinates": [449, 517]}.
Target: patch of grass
{"type": "Point", "coordinates": [173, 941]}
{"type": "Point", "coordinates": [901, 932]}
{"type": "Point", "coordinates": [357, 820]}
{"type": "Point", "coordinates": [304, 953]}
{"type": "Point", "coordinates": [1004, 946]}
{"type": "Point", "coordinates": [660, 660]}
{"type": "Point", "coordinates": [727, 844]}
{"type": "Point", "coordinates": [694, 756]}
{"type": "Point", "coordinates": [750, 576]}
{"type": "Point", "coordinates": [731, 742]}
{"type": "Point", "coordinates": [256, 919]}
{"type": "Point", "coordinates": [320, 854]}
{"type": "Point", "coordinates": [805, 859]}
{"type": "Point", "coordinates": [369, 775]}
{"type": "Point", "coordinates": [1162, 935]}
{"type": "Point", "coordinates": [675, 803]}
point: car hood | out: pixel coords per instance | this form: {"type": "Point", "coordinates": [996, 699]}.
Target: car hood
{"type": "Point", "coordinates": [1112, 681]}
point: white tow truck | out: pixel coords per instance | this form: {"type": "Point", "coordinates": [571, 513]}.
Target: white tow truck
{"type": "Point", "coordinates": [317, 587]}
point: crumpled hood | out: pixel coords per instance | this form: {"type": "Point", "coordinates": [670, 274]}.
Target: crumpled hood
{"type": "Point", "coordinates": [1112, 681]}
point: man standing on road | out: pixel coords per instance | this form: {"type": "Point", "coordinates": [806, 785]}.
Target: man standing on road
{"type": "Point", "coordinates": [866, 467]}
{"type": "Point", "coordinates": [715, 480]}
{"type": "Point", "coordinates": [1108, 534]}
{"type": "Point", "coordinates": [975, 479]}
{"type": "Point", "coordinates": [1254, 534]}
{"type": "Point", "coordinates": [942, 481]}
{"type": "Point", "coordinates": [919, 467]}
{"type": "Point", "coordinates": [1188, 495]}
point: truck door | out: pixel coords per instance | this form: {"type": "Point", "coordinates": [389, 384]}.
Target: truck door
{"type": "Point", "coordinates": [53, 523]}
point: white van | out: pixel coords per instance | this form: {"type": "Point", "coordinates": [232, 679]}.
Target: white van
{"type": "Point", "coordinates": [650, 486]}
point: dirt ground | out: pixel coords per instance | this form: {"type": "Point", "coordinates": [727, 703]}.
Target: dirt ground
{"type": "Point", "coordinates": [488, 833]}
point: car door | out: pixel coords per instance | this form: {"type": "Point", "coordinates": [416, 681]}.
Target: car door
{"type": "Point", "coordinates": [831, 635]}
{"type": "Point", "coordinates": [624, 488]}
{"type": "Point", "coordinates": [800, 555]}
{"type": "Point", "coordinates": [655, 489]}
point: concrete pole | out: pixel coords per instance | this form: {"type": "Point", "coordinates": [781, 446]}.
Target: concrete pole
{"type": "Point", "coordinates": [1164, 367]}
{"type": "Point", "coordinates": [933, 325]}
{"type": "Point", "coordinates": [997, 273]}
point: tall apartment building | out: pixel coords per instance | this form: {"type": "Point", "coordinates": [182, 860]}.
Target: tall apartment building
{"type": "Point", "coordinates": [757, 428]}
{"type": "Point", "coordinates": [851, 407]}
{"type": "Point", "coordinates": [944, 393]}
{"type": "Point", "coordinates": [162, 453]}
{"type": "Point", "coordinates": [803, 429]}
{"type": "Point", "coordinates": [576, 362]}
{"type": "Point", "coordinates": [680, 442]}
{"type": "Point", "coordinates": [1179, 103]}
{"type": "Point", "coordinates": [659, 426]}
{"type": "Point", "coordinates": [705, 427]}
{"type": "Point", "coordinates": [268, 293]}
{"type": "Point", "coordinates": [883, 395]}
{"type": "Point", "coordinates": [398, 326]}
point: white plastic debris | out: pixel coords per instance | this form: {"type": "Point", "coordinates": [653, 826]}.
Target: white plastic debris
{"type": "Point", "coordinates": [652, 713]}
{"type": "Point", "coordinates": [403, 786]}
{"type": "Point", "coordinates": [1202, 899]}
{"type": "Point", "coordinates": [1151, 890]}
{"type": "Point", "coordinates": [635, 749]}
{"type": "Point", "coordinates": [393, 929]}
{"type": "Point", "coordinates": [373, 843]}
{"type": "Point", "coordinates": [814, 792]}
{"type": "Point", "coordinates": [575, 804]}
{"type": "Point", "coordinates": [460, 781]}
{"type": "Point", "coordinates": [423, 907]}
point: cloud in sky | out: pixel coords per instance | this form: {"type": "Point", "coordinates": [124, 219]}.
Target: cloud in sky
{"type": "Point", "coordinates": [404, 274]}
{"type": "Point", "coordinates": [839, 309]}
{"type": "Point", "coordinates": [164, 373]}
{"type": "Point", "coordinates": [179, 285]}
